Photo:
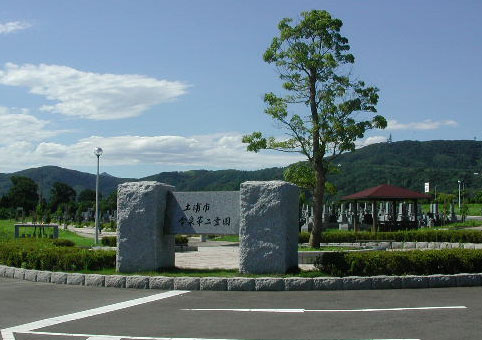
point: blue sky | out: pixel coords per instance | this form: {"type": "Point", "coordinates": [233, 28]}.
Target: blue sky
{"type": "Point", "coordinates": [173, 85]}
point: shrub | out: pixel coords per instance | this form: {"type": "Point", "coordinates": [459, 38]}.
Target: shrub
{"type": "Point", "coordinates": [109, 241]}
{"type": "Point", "coordinates": [415, 262]}
{"type": "Point", "coordinates": [181, 240]}
{"type": "Point", "coordinates": [62, 242]}
{"type": "Point", "coordinates": [304, 237]}
{"type": "Point", "coordinates": [462, 236]}
{"type": "Point", "coordinates": [43, 255]}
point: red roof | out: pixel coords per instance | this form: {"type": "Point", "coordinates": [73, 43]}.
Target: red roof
{"type": "Point", "coordinates": [386, 192]}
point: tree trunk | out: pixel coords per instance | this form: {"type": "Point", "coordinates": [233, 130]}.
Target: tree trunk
{"type": "Point", "coordinates": [315, 237]}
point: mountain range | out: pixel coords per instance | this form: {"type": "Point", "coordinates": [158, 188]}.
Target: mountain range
{"type": "Point", "coordinates": [407, 163]}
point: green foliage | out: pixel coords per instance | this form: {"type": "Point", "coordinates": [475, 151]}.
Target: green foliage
{"type": "Point", "coordinates": [416, 262]}
{"type": "Point", "coordinates": [43, 255]}
{"type": "Point", "coordinates": [454, 236]}
{"type": "Point", "coordinates": [109, 241]}
{"type": "Point", "coordinates": [62, 242]}
{"type": "Point", "coordinates": [181, 240]}
{"type": "Point", "coordinates": [303, 237]}
{"type": "Point", "coordinates": [86, 195]}
{"type": "Point", "coordinates": [61, 193]}
{"type": "Point", "coordinates": [23, 193]}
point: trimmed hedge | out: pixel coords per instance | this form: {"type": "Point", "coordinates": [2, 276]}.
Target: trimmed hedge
{"type": "Point", "coordinates": [304, 237]}
{"type": "Point", "coordinates": [62, 242]}
{"type": "Point", "coordinates": [461, 236]}
{"type": "Point", "coordinates": [181, 240]}
{"type": "Point", "coordinates": [43, 255]}
{"type": "Point", "coordinates": [109, 241]}
{"type": "Point", "coordinates": [415, 262]}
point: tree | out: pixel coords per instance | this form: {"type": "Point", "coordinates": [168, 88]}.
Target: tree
{"type": "Point", "coordinates": [23, 193]}
{"type": "Point", "coordinates": [61, 193]}
{"type": "Point", "coordinates": [86, 195]}
{"type": "Point", "coordinates": [313, 62]}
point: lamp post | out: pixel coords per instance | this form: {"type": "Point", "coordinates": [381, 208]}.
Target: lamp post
{"type": "Point", "coordinates": [459, 193]}
{"type": "Point", "coordinates": [98, 152]}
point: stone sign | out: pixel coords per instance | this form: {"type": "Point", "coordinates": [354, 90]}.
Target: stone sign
{"type": "Point", "coordinates": [213, 212]}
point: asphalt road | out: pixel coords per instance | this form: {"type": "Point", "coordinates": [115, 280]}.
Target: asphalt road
{"type": "Point", "coordinates": [115, 314]}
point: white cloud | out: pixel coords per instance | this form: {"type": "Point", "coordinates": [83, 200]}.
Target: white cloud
{"type": "Point", "coordinates": [13, 26]}
{"type": "Point", "coordinates": [427, 124]}
{"type": "Point", "coordinates": [204, 151]}
{"type": "Point", "coordinates": [92, 95]}
{"type": "Point", "coordinates": [18, 126]}
{"type": "Point", "coordinates": [370, 140]}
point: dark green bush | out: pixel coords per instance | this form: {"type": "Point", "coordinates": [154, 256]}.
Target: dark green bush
{"type": "Point", "coordinates": [181, 240]}
{"type": "Point", "coordinates": [43, 255]}
{"type": "Point", "coordinates": [62, 242]}
{"type": "Point", "coordinates": [109, 241]}
{"type": "Point", "coordinates": [471, 236]}
{"type": "Point", "coordinates": [303, 237]}
{"type": "Point", "coordinates": [415, 262]}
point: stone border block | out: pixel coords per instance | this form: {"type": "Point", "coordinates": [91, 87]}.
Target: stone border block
{"type": "Point", "coordinates": [94, 280]}
{"type": "Point", "coordinates": [445, 245]}
{"type": "Point", "coordinates": [186, 283]}
{"type": "Point", "coordinates": [269, 284]}
{"type": "Point", "coordinates": [414, 281]}
{"type": "Point", "coordinates": [75, 279]}
{"type": "Point", "coordinates": [137, 282]}
{"type": "Point", "coordinates": [468, 280]}
{"type": "Point", "coordinates": [421, 245]}
{"type": "Point", "coordinates": [439, 281]}
{"type": "Point", "coordinates": [241, 284]}
{"type": "Point", "coordinates": [300, 283]}
{"type": "Point", "coordinates": [357, 282]}
{"type": "Point", "coordinates": [477, 245]}
{"type": "Point", "coordinates": [409, 245]}
{"type": "Point", "coordinates": [161, 282]}
{"type": "Point", "coordinates": [10, 272]}
{"type": "Point", "coordinates": [31, 275]}
{"type": "Point", "coordinates": [19, 273]}
{"type": "Point", "coordinates": [433, 245]}
{"type": "Point", "coordinates": [44, 276]}
{"type": "Point", "coordinates": [397, 245]}
{"type": "Point", "coordinates": [213, 283]}
{"type": "Point", "coordinates": [117, 281]}
{"type": "Point", "coordinates": [328, 283]}
{"type": "Point", "coordinates": [58, 278]}
{"type": "Point", "coordinates": [456, 245]}
{"type": "Point", "coordinates": [469, 246]}
{"type": "Point", "coordinates": [2, 270]}
{"type": "Point", "coordinates": [386, 282]}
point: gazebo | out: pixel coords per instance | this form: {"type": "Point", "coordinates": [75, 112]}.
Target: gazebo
{"type": "Point", "coordinates": [386, 193]}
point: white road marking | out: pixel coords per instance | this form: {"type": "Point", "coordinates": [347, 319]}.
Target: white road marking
{"type": "Point", "coordinates": [7, 333]}
{"type": "Point", "coordinates": [299, 310]}
{"type": "Point", "coordinates": [110, 337]}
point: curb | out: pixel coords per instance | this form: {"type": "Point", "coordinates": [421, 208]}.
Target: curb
{"type": "Point", "coordinates": [244, 283]}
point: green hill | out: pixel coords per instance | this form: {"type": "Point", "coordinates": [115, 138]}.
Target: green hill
{"type": "Point", "coordinates": [409, 164]}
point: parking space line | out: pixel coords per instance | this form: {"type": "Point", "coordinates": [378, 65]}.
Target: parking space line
{"type": "Point", "coordinates": [300, 310]}
{"type": "Point", "coordinates": [7, 333]}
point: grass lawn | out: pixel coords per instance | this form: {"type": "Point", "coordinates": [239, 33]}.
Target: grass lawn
{"type": "Point", "coordinates": [7, 232]}
{"type": "Point", "coordinates": [474, 209]}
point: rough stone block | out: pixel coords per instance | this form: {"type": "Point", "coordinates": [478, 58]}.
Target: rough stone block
{"type": "Point", "coordinates": [241, 284]}
{"type": "Point", "coordinates": [44, 276]}
{"type": "Point", "coordinates": [409, 245]}
{"type": "Point", "coordinates": [456, 245]}
{"type": "Point", "coordinates": [76, 279]}
{"type": "Point", "coordinates": [19, 273]}
{"type": "Point", "coordinates": [269, 283]}
{"type": "Point", "coordinates": [58, 278]}
{"type": "Point", "coordinates": [328, 283]}
{"type": "Point", "coordinates": [421, 245]}
{"type": "Point", "coordinates": [468, 280]}
{"type": "Point", "coordinates": [186, 283]}
{"type": "Point", "coordinates": [477, 245]}
{"type": "Point", "coordinates": [445, 245]}
{"type": "Point", "coordinates": [94, 280]}
{"type": "Point", "coordinates": [414, 281]}
{"type": "Point", "coordinates": [384, 245]}
{"type": "Point", "coordinates": [141, 242]}
{"type": "Point", "coordinates": [357, 283]}
{"type": "Point", "coordinates": [439, 281]}
{"type": "Point", "coordinates": [433, 245]}
{"type": "Point", "coordinates": [137, 281]}
{"type": "Point", "coordinates": [31, 275]}
{"type": "Point", "coordinates": [298, 283]}
{"type": "Point", "coordinates": [2, 270]}
{"type": "Point", "coordinates": [213, 283]}
{"type": "Point", "coordinates": [117, 281]}
{"type": "Point", "coordinates": [386, 282]}
{"type": "Point", "coordinates": [10, 272]}
{"type": "Point", "coordinates": [161, 282]}
{"type": "Point", "coordinates": [469, 246]}
{"type": "Point", "coordinates": [397, 245]}
{"type": "Point", "coordinates": [268, 227]}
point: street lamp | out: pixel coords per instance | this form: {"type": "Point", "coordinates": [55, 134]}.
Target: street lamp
{"type": "Point", "coordinates": [459, 193]}
{"type": "Point", "coordinates": [98, 152]}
